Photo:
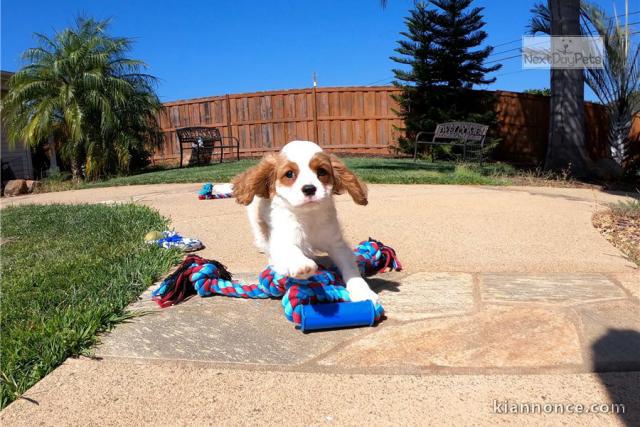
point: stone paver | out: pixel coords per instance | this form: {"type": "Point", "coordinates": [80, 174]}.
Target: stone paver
{"type": "Point", "coordinates": [445, 329]}
{"type": "Point", "coordinates": [425, 295]}
{"type": "Point", "coordinates": [630, 281]}
{"type": "Point", "coordinates": [612, 335]}
{"type": "Point", "coordinates": [218, 329]}
{"type": "Point", "coordinates": [566, 289]}
{"type": "Point", "coordinates": [495, 338]}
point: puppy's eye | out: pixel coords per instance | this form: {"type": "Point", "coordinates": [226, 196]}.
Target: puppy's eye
{"type": "Point", "coordinates": [322, 172]}
{"type": "Point", "coordinates": [289, 174]}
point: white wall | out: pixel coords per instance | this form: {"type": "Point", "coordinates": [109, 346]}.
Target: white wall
{"type": "Point", "coordinates": [19, 157]}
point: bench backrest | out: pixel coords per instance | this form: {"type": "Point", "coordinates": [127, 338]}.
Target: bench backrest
{"type": "Point", "coordinates": [461, 130]}
{"type": "Point", "coordinates": [196, 134]}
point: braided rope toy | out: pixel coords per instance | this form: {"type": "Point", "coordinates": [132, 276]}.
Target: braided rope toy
{"type": "Point", "coordinates": [208, 277]}
{"type": "Point", "coordinates": [207, 192]}
{"type": "Point", "coordinates": [171, 239]}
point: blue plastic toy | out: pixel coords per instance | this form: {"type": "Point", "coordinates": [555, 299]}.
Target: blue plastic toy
{"type": "Point", "coordinates": [337, 315]}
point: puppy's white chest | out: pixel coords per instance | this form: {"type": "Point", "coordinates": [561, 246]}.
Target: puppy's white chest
{"type": "Point", "coordinates": [321, 234]}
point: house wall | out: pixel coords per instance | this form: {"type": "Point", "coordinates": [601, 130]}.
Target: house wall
{"type": "Point", "coordinates": [19, 156]}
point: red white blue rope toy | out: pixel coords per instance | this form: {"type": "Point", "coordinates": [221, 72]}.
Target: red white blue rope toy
{"type": "Point", "coordinates": [171, 239]}
{"type": "Point", "coordinates": [307, 303]}
{"type": "Point", "coordinates": [218, 191]}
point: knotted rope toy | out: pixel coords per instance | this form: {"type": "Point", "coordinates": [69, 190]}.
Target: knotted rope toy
{"type": "Point", "coordinates": [224, 191]}
{"type": "Point", "coordinates": [171, 239]}
{"type": "Point", "coordinates": [319, 302]}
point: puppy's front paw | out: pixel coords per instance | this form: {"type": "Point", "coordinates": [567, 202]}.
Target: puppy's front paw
{"type": "Point", "coordinates": [302, 268]}
{"type": "Point", "coordinates": [359, 291]}
{"type": "Point", "coordinates": [261, 245]}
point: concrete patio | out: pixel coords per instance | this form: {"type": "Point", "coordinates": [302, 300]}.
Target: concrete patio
{"type": "Point", "coordinates": [508, 294]}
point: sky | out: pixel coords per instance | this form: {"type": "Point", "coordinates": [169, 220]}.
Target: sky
{"type": "Point", "coordinates": [206, 48]}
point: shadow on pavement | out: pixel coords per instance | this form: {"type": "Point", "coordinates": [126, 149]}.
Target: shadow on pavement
{"type": "Point", "coordinates": [619, 351]}
{"type": "Point", "coordinates": [378, 284]}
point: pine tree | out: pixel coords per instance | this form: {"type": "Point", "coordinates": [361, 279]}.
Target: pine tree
{"type": "Point", "coordinates": [456, 32]}
{"type": "Point", "coordinates": [439, 47]}
{"type": "Point", "coordinates": [417, 50]}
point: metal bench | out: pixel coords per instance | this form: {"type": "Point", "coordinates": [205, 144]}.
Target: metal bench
{"type": "Point", "coordinates": [204, 140]}
{"type": "Point", "coordinates": [469, 136]}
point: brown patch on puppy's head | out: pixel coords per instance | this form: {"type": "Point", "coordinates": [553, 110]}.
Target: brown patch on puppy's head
{"type": "Point", "coordinates": [286, 171]}
{"type": "Point", "coordinates": [257, 181]}
{"type": "Point", "coordinates": [344, 179]}
{"type": "Point", "coordinates": [321, 164]}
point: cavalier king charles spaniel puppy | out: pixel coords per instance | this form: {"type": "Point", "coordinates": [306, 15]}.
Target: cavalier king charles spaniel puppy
{"type": "Point", "coordinates": [289, 199]}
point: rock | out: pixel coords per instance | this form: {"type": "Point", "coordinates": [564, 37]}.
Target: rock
{"type": "Point", "coordinates": [32, 185]}
{"type": "Point", "coordinates": [15, 187]}
{"type": "Point", "coordinates": [608, 170]}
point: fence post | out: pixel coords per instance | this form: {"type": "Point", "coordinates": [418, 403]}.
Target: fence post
{"type": "Point", "coordinates": [315, 113]}
{"type": "Point", "coordinates": [229, 129]}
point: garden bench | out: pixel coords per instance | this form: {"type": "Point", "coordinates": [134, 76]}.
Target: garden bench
{"type": "Point", "coordinates": [204, 140]}
{"type": "Point", "coordinates": [469, 136]}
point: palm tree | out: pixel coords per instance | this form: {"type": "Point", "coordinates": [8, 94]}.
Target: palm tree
{"type": "Point", "coordinates": [80, 88]}
{"type": "Point", "coordinates": [617, 84]}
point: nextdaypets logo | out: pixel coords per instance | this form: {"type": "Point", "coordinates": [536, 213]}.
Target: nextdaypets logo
{"type": "Point", "coordinates": [562, 52]}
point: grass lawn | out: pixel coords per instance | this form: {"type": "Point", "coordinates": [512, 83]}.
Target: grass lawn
{"type": "Point", "coordinates": [374, 170]}
{"type": "Point", "coordinates": [68, 272]}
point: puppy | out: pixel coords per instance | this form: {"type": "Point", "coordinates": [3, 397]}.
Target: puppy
{"type": "Point", "coordinates": [289, 199]}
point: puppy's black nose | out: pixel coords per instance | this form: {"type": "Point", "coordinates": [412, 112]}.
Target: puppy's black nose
{"type": "Point", "coordinates": [309, 190]}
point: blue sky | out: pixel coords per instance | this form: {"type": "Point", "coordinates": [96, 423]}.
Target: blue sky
{"type": "Point", "coordinates": [204, 48]}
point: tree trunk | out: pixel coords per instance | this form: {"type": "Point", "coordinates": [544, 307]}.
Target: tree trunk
{"type": "Point", "coordinates": [619, 128]}
{"type": "Point", "coordinates": [76, 169]}
{"type": "Point", "coordinates": [53, 160]}
{"type": "Point", "coordinates": [567, 145]}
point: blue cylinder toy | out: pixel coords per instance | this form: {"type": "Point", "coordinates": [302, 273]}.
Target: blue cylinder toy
{"type": "Point", "coordinates": [337, 315]}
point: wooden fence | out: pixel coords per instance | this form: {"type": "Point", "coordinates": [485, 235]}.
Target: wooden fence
{"type": "Point", "coordinates": [357, 120]}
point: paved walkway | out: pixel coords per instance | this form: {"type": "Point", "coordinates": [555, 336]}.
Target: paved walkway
{"type": "Point", "coordinates": [509, 295]}
{"type": "Point", "coordinates": [434, 228]}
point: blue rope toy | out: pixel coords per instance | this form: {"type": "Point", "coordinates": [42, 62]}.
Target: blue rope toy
{"type": "Point", "coordinates": [209, 191]}
{"type": "Point", "coordinates": [319, 302]}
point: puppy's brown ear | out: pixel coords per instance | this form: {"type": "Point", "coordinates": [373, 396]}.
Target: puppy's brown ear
{"type": "Point", "coordinates": [344, 179]}
{"type": "Point", "coordinates": [257, 181]}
